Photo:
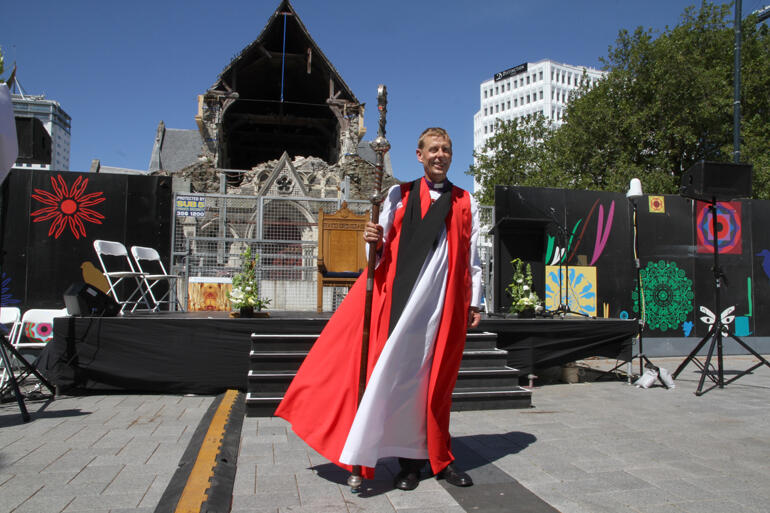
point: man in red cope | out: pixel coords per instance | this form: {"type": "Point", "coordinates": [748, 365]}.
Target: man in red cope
{"type": "Point", "coordinates": [427, 288]}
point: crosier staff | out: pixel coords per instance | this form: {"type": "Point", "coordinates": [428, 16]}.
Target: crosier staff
{"type": "Point", "coordinates": [380, 146]}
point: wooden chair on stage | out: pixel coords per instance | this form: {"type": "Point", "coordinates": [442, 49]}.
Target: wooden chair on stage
{"type": "Point", "coordinates": [341, 249]}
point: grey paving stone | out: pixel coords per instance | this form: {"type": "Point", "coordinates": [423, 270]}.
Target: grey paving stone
{"type": "Point", "coordinates": [716, 506]}
{"type": "Point", "coordinates": [166, 454]}
{"type": "Point", "coordinates": [128, 481]}
{"type": "Point", "coordinates": [87, 436]}
{"type": "Point", "coordinates": [686, 490]}
{"type": "Point", "coordinates": [100, 502]}
{"type": "Point", "coordinates": [7, 504]}
{"type": "Point", "coordinates": [114, 439]}
{"type": "Point", "coordinates": [374, 501]}
{"type": "Point", "coordinates": [312, 508]}
{"type": "Point", "coordinates": [155, 493]}
{"type": "Point", "coordinates": [593, 503]}
{"type": "Point", "coordinates": [290, 467]}
{"type": "Point", "coordinates": [280, 483]}
{"type": "Point", "coordinates": [242, 508]}
{"type": "Point", "coordinates": [440, 509]}
{"type": "Point", "coordinates": [74, 490]}
{"type": "Point", "coordinates": [420, 498]}
{"type": "Point", "coordinates": [169, 431]}
{"type": "Point", "coordinates": [44, 503]}
{"type": "Point", "coordinates": [251, 452]}
{"type": "Point", "coordinates": [290, 456]}
{"type": "Point", "coordinates": [75, 460]}
{"type": "Point", "coordinates": [19, 489]}
{"type": "Point", "coordinates": [262, 501]}
{"type": "Point", "coordinates": [597, 441]}
{"type": "Point", "coordinates": [101, 474]}
{"type": "Point", "coordinates": [321, 495]}
{"type": "Point", "coordinates": [139, 449]}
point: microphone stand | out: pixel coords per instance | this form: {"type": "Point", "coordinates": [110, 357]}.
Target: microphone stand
{"type": "Point", "coordinates": [563, 308]}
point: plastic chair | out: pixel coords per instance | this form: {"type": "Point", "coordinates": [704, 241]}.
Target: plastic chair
{"type": "Point", "coordinates": [126, 271]}
{"type": "Point", "coordinates": [9, 316]}
{"type": "Point", "coordinates": [151, 280]}
{"type": "Point", "coordinates": [36, 324]}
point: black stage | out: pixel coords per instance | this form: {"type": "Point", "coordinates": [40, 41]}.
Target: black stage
{"type": "Point", "coordinates": [208, 352]}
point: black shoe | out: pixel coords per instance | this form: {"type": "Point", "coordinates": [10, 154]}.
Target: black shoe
{"type": "Point", "coordinates": [454, 476]}
{"type": "Point", "coordinates": [406, 480]}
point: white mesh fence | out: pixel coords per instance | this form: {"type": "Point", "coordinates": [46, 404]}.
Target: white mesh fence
{"type": "Point", "coordinates": [211, 232]}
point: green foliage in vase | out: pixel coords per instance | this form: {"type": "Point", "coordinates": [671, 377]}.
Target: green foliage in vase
{"type": "Point", "coordinates": [520, 289]}
{"type": "Point", "coordinates": [245, 291]}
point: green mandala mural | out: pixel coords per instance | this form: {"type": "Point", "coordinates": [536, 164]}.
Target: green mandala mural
{"type": "Point", "coordinates": [668, 295]}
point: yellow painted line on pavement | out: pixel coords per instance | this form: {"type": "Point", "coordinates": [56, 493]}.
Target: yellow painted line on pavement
{"type": "Point", "coordinates": [194, 493]}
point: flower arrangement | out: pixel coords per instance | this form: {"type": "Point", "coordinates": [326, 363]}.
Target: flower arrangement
{"type": "Point", "coordinates": [245, 291]}
{"type": "Point", "coordinates": [520, 289]}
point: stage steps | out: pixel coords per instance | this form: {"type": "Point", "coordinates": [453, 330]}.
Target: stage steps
{"type": "Point", "coordinates": [484, 382]}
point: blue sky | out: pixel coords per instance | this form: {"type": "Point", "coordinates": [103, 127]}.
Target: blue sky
{"type": "Point", "coordinates": [119, 68]}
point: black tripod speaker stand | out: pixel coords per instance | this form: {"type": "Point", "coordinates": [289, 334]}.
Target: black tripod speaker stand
{"type": "Point", "coordinates": [718, 329]}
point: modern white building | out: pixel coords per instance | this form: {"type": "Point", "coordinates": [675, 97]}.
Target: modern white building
{"type": "Point", "coordinates": [543, 86]}
{"type": "Point", "coordinates": [43, 131]}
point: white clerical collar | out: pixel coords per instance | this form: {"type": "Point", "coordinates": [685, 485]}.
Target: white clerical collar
{"type": "Point", "coordinates": [438, 187]}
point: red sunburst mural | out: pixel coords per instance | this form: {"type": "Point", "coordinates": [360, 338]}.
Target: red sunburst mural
{"type": "Point", "coordinates": [68, 207]}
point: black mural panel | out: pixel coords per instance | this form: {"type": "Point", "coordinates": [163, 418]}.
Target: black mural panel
{"type": "Point", "coordinates": [666, 263]}
{"type": "Point", "coordinates": [599, 236]}
{"type": "Point", "coordinates": [760, 254]}
{"type": "Point", "coordinates": [583, 229]}
{"type": "Point", "coordinates": [734, 261]}
{"type": "Point", "coordinates": [674, 249]}
{"type": "Point", "coordinates": [14, 241]}
{"type": "Point", "coordinates": [54, 217]}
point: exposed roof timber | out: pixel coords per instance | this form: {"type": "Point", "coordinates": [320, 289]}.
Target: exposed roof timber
{"type": "Point", "coordinates": [257, 46]}
{"type": "Point", "coordinates": [240, 119]}
{"type": "Point", "coordinates": [276, 63]}
{"type": "Point", "coordinates": [284, 140]}
{"type": "Point", "coordinates": [264, 51]}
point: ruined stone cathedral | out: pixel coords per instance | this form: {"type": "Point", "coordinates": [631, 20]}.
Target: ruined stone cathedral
{"type": "Point", "coordinates": [279, 120]}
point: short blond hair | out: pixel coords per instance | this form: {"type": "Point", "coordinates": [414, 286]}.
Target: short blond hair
{"type": "Point", "coordinates": [433, 131]}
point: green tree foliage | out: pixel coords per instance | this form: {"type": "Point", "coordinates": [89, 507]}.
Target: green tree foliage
{"type": "Point", "coordinates": [666, 102]}
{"type": "Point", "coordinates": [515, 154]}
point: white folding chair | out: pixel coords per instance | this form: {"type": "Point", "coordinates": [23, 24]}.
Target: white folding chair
{"type": "Point", "coordinates": [152, 279]}
{"type": "Point", "coordinates": [36, 328]}
{"type": "Point", "coordinates": [121, 271]}
{"type": "Point", "coordinates": [10, 316]}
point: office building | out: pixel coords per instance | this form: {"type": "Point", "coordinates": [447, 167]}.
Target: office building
{"type": "Point", "coordinates": [533, 87]}
{"type": "Point", "coordinates": [43, 130]}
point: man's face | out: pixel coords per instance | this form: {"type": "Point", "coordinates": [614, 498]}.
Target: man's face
{"type": "Point", "coordinates": [436, 156]}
